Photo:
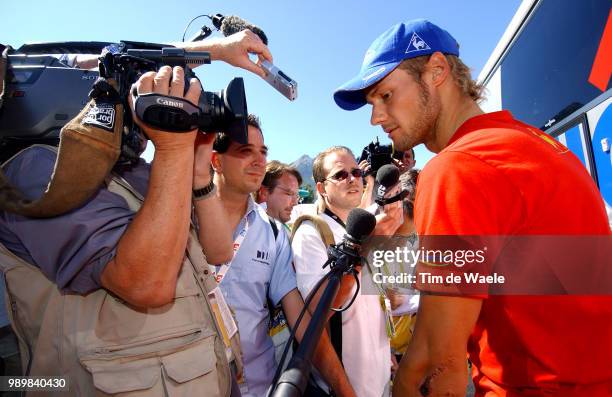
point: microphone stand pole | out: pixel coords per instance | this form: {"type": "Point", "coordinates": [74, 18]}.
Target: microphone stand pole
{"type": "Point", "coordinates": [294, 378]}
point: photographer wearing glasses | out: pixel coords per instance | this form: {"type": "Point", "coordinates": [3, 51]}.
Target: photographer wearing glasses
{"type": "Point", "coordinates": [279, 190]}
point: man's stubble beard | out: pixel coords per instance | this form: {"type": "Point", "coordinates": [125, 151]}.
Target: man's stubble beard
{"type": "Point", "coordinates": [423, 126]}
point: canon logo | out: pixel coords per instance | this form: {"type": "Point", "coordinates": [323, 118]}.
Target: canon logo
{"type": "Point", "coordinates": [168, 102]}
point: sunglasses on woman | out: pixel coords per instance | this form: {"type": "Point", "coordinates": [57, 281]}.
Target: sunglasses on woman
{"type": "Point", "coordinates": [343, 174]}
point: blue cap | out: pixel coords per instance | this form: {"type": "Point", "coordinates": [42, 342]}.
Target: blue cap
{"type": "Point", "coordinates": [402, 41]}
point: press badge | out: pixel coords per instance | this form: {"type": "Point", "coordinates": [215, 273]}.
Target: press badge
{"type": "Point", "coordinates": [223, 315]}
{"type": "Point", "coordinates": [389, 326]}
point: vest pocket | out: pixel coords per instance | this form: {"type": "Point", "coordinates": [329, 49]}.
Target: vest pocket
{"type": "Point", "coordinates": [189, 371]}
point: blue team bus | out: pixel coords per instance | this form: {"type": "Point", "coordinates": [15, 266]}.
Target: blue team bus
{"type": "Point", "coordinates": [552, 69]}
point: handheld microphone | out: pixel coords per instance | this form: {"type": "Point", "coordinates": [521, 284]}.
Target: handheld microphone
{"type": "Point", "coordinates": [359, 224]}
{"type": "Point", "coordinates": [388, 176]}
{"type": "Point", "coordinates": [274, 76]}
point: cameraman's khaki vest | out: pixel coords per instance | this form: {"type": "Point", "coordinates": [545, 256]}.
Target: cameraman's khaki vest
{"type": "Point", "coordinates": [106, 347]}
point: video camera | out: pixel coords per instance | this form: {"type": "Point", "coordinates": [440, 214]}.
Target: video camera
{"type": "Point", "coordinates": [43, 94]}
{"type": "Point", "coordinates": [45, 101]}
{"type": "Point", "coordinates": [378, 155]}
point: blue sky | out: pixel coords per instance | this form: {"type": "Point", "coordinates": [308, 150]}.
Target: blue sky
{"type": "Point", "coordinates": [318, 43]}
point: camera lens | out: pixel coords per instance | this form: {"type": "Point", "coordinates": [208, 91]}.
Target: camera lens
{"type": "Point", "coordinates": [225, 111]}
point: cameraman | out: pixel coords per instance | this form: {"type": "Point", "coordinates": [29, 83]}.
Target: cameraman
{"type": "Point", "coordinates": [127, 311]}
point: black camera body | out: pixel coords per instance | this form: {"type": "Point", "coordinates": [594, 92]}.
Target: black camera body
{"type": "Point", "coordinates": [42, 94]}
{"type": "Point", "coordinates": [376, 155]}
{"type": "Point", "coordinates": [224, 111]}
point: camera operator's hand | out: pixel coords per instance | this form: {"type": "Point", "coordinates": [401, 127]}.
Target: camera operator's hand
{"type": "Point", "coordinates": [365, 167]}
{"type": "Point", "coordinates": [366, 198]}
{"type": "Point", "coordinates": [234, 50]}
{"type": "Point", "coordinates": [167, 81]}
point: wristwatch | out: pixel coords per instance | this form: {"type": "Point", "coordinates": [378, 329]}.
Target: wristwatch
{"type": "Point", "coordinates": [206, 191]}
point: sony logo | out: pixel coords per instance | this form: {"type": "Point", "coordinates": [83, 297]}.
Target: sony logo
{"type": "Point", "coordinates": [167, 102]}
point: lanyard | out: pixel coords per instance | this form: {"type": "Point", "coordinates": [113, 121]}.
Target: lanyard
{"type": "Point", "coordinates": [334, 217]}
{"type": "Point", "coordinates": [221, 270]}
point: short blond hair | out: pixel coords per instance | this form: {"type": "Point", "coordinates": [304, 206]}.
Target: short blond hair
{"type": "Point", "coordinates": [318, 170]}
{"type": "Point", "coordinates": [460, 72]}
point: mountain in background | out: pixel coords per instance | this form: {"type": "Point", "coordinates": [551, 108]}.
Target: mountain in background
{"type": "Point", "coordinates": [304, 166]}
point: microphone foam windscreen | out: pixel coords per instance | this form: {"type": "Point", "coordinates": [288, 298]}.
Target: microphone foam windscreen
{"type": "Point", "coordinates": [388, 175]}
{"type": "Point", "coordinates": [360, 223]}
{"type": "Point", "coordinates": [233, 24]}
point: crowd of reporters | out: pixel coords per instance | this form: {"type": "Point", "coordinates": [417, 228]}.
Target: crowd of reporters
{"type": "Point", "coordinates": [184, 276]}
{"type": "Point", "coordinates": [132, 244]}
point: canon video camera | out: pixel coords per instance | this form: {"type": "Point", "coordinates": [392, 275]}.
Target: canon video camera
{"type": "Point", "coordinates": [42, 94]}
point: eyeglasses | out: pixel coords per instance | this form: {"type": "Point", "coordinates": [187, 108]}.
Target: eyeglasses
{"type": "Point", "coordinates": [287, 191]}
{"type": "Point", "coordinates": [343, 174]}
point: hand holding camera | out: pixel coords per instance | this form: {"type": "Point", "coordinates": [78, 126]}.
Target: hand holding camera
{"type": "Point", "coordinates": [169, 83]}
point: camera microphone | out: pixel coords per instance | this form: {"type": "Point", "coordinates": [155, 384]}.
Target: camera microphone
{"type": "Point", "coordinates": [234, 24]}
{"type": "Point", "coordinates": [359, 224]}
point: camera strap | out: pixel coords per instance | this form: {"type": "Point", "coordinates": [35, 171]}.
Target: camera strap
{"type": "Point", "coordinates": [167, 113]}
{"type": "Point", "coordinates": [335, 217]}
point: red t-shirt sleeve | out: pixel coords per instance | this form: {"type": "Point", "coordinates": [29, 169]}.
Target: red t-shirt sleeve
{"type": "Point", "coordinates": [462, 204]}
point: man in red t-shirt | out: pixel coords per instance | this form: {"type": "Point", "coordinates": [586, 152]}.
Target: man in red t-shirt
{"type": "Point", "coordinates": [508, 184]}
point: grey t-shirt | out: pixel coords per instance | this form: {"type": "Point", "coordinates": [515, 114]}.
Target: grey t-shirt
{"type": "Point", "coordinates": [70, 249]}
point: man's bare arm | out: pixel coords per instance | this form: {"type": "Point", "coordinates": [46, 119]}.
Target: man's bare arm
{"type": "Point", "coordinates": [214, 231]}
{"type": "Point", "coordinates": [150, 252]}
{"type": "Point", "coordinates": [435, 363]}
{"type": "Point", "coordinates": [234, 49]}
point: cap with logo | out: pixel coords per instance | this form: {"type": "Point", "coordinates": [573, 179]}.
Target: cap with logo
{"type": "Point", "coordinates": [402, 41]}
